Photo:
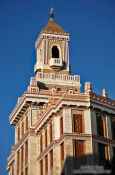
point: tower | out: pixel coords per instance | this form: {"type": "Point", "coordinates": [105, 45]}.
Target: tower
{"type": "Point", "coordinates": [52, 49]}
{"type": "Point", "coordinates": [58, 128]}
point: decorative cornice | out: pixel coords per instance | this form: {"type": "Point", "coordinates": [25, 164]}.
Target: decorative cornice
{"type": "Point", "coordinates": [65, 135]}
{"type": "Point", "coordinates": [53, 37]}
{"type": "Point", "coordinates": [101, 99]}
{"type": "Point", "coordinates": [103, 139]}
{"type": "Point", "coordinates": [53, 108]}
{"type": "Point", "coordinates": [23, 104]}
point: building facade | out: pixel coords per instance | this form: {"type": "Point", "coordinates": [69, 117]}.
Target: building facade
{"type": "Point", "coordinates": [58, 128]}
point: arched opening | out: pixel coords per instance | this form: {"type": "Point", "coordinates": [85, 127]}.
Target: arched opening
{"type": "Point", "coordinates": [55, 52]}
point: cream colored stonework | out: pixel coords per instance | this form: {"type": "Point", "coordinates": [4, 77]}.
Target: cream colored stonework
{"type": "Point", "coordinates": [53, 93]}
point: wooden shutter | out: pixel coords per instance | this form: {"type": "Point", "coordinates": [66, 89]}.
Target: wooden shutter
{"type": "Point", "coordinates": [62, 154]}
{"type": "Point", "coordinates": [26, 153]}
{"type": "Point", "coordinates": [61, 126]}
{"type": "Point", "coordinates": [22, 128]}
{"type": "Point", "coordinates": [18, 162]}
{"type": "Point", "coordinates": [41, 147]}
{"type": "Point", "coordinates": [18, 133]}
{"type": "Point", "coordinates": [51, 158]}
{"type": "Point", "coordinates": [77, 123]}
{"type": "Point", "coordinates": [26, 171]}
{"type": "Point", "coordinates": [41, 167]}
{"type": "Point", "coordinates": [26, 122]}
{"type": "Point", "coordinates": [78, 148]}
{"type": "Point", "coordinates": [51, 134]}
{"type": "Point", "coordinates": [45, 137]}
{"type": "Point", "coordinates": [46, 164]}
{"type": "Point", "coordinates": [22, 158]}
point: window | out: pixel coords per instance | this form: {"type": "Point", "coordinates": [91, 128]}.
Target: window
{"type": "Point", "coordinates": [26, 122]}
{"type": "Point", "coordinates": [22, 128]}
{"type": "Point", "coordinates": [41, 147]}
{"type": "Point", "coordinates": [77, 123]}
{"type": "Point", "coordinates": [78, 148]}
{"type": "Point", "coordinates": [22, 158]}
{"type": "Point", "coordinates": [61, 126]}
{"type": "Point", "coordinates": [51, 134]}
{"type": "Point", "coordinates": [26, 171]}
{"type": "Point", "coordinates": [101, 125]}
{"type": "Point", "coordinates": [55, 52]}
{"type": "Point", "coordinates": [58, 89]}
{"type": "Point", "coordinates": [113, 151]}
{"type": "Point", "coordinates": [45, 137]}
{"type": "Point", "coordinates": [103, 154]}
{"type": "Point", "coordinates": [113, 127]}
{"type": "Point", "coordinates": [51, 158]}
{"type": "Point", "coordinates": [46, 164]}
{"type": "Point", "coordinates": [79, 153]}
{"type": "Point", "coordinates": [26, 153]}
{"type": "Point", "coordinates": [18, 133]}
{"type": "Point", "coordinates": [41, 167]}
{"type": "Point", "coordinates": [62, 154]}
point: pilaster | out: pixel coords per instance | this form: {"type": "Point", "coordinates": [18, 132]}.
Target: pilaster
{"type": "Point", "coordinates": [67, 120]}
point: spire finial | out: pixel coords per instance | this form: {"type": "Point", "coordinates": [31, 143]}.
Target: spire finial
{"type": "Point", "coordinates": [51, 13]}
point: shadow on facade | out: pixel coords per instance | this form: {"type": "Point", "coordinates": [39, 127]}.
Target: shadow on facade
{"type": "Point", "coordinates": [41, 85]}
{"type": "Point", "coordinates": [88, 165]}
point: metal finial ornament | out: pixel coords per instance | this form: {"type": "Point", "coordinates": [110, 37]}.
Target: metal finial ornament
{"type": "Point", "coordinates": [51, 14]}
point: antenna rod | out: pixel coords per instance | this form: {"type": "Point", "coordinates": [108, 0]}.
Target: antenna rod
{"type": "Point", "coordinates": [51, 2]}
{"type": "Point", "coordinates": [51, 11]}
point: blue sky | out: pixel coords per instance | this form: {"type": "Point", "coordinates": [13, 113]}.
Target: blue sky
{"type": "Point", "coordinates": [91, 24]}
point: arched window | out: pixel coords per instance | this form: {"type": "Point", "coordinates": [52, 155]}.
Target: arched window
{"type": "Point", "coordinates": [55, 52]}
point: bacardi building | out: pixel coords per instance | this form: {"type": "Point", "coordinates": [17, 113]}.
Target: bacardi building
{"type": "Point", "coordinates": [58, 128]}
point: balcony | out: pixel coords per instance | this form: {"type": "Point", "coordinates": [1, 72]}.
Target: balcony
{"type": "Point", "coordinates": [56, 63]}
{"type": "Point", "coordinates": [58, 79]}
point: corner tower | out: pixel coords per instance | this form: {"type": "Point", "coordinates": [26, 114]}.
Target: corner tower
{"type": "Point", "coordinates": [52, 52]}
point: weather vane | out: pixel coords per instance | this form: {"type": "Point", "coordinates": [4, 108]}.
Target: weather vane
{"type": "Point", "coordinates": [51, 10]}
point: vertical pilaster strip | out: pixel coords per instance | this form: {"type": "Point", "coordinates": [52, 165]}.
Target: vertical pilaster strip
{"type": "Point", "coordinates": [67, 53]}
{"type": "Point", "coordinates": [67, 120]}
{"type": "Point", "coordinates": [63, 45]}
{"type": "Point", "coordinates": [87, 122]}
{"type": "Point", "coordinates": [56, 128]}
{"type": "Point", "coordinates": [46, 51]}
{"type": "Point", "coordinates": [43, 51]}
{"type": "Point", "coordinates": [64, 51]}
{"type": "Point", "coordinates": [68, 56]}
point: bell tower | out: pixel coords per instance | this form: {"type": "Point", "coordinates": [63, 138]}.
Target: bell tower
{"type": "Point", "coordinates": [52, 52]}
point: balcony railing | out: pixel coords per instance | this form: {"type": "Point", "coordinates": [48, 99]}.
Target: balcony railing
{"type": "Point", "coordinates": [58, 78]}
{"type": "Point", "coordinates": [56, 62]}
